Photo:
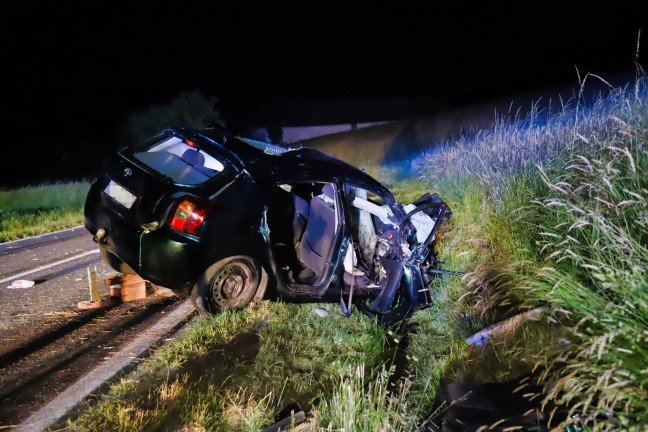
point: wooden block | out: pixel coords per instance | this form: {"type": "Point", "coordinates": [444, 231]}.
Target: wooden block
{"type": "Point", "coordinates": [133, 287]}
{"type": "Point", "coordinates": [96, 304]}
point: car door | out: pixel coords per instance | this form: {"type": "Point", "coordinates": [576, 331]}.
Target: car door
{"type": "Point", "coordinates": [306, 229]}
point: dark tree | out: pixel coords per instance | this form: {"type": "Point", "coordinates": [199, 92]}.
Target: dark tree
{"type": "Point", "coordinates": [187, 109]}
{"type": "Point", "coordinates": [275, 134]}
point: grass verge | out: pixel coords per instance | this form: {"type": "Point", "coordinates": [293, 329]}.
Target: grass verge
{"type": "Point", "coordinates": [34, 210]}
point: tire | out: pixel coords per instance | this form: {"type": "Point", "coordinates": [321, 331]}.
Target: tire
{"type": "Point", "coordinates": [230, 284]}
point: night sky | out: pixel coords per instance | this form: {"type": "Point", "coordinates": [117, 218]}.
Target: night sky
{"type": "Point", "coordinates": [72, 71]}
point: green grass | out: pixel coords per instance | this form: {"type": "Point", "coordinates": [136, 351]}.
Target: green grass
{"type": "Point", "coordinates": [35, 210]}
{"type": "Point", "coordinates": [549, 212]}
{"type": "Point", "coordinates": [206, 380]}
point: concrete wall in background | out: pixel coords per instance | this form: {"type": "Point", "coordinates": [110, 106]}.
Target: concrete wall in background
{"type": "Point", "coordinates": [426, 117]}
{"type": "Point", "coordinates": [296, 134]}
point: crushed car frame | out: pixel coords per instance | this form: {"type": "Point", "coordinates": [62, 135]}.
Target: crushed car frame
{"type": "Point", "coordinates": [229, 221]}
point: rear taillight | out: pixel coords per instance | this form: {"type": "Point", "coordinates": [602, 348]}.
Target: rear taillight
{"type": "Point", "coordinates": [189, 217]}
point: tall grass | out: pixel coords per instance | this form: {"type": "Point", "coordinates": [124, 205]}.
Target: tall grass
{"type": "Point", "coordinates": [596, 245]}
{"type": "Point", "coordinates": [515, 145]}
{"type": "Point", "coordinates": [564, 227]}
{"type": "Point", "coordinates": [361, 404]}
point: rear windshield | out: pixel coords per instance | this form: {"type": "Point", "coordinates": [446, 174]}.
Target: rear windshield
{"type": "Point", "coordinates": [180, 160]}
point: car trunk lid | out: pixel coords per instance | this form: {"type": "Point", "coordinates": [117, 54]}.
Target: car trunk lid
{"type": "Point", "coordinates": [144, 196]}
{"type": "Point", "coordinates": [142, 183]}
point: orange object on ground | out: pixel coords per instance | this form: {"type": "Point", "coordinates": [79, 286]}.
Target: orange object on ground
{"type": "Point", "coordinates": [95, 304]}
{"type": "Point", "coordinates": [133, 287]}
{"type": "Point", "coordinates": [128, 287]}
{"type": "Point", "coordinates": [123, 288]}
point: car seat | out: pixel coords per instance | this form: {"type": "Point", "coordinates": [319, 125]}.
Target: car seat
{"type": "Point", "coordinates": [299, 218]}
{"type": "Point", "coordinates": [319, 236]}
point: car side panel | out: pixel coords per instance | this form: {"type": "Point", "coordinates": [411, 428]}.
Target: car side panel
{"type": "Point", "coordinates": [236, 224]}
{"type": "Point", "coordinates": [232, 228]}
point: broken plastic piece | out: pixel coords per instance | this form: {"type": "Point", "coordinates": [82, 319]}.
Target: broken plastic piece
{"type": "Point", "coordinates": [320, 313]}
{"type": "Point", "coordinates": [507, 326]}
{"type": "Point", "coordinates": [21, 283]}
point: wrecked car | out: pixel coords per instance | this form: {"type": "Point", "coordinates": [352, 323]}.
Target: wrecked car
{"type": "Point", "coordinates": [228, 221]}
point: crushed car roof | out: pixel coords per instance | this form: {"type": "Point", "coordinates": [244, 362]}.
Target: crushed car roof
{"type": "Point", "coordinates": [294, 163]}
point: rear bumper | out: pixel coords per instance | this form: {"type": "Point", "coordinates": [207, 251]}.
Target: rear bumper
{"type": "Point", "coordinates": [168, 263]}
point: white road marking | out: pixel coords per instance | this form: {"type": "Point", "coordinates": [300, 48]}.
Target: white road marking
{"type": "Point", "coordinates": [37, 269]}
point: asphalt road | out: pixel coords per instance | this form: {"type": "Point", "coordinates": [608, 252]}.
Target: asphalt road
{"type": "Point", "coordinates": [55, 411]}
{"type": "Point", "coordinates": [58, 265]}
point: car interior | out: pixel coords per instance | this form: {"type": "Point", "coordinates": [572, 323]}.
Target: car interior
{"type": "Point", "coordinates": [184, 164]}
{"type": "Point", "coordinates": [304, 224]}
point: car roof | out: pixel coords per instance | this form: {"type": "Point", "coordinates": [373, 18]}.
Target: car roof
{"type": "Point", "coordinates": [270, 162]}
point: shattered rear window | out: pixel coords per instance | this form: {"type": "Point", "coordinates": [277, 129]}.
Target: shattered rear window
{"type": "Point", "coordinates": [181, 160]}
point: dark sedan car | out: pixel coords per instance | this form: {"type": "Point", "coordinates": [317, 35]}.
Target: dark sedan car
{"type": "Point", "coordinates": [229, 221]}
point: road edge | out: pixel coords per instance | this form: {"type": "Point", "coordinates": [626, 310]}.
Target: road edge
{"type": "Point", "coordinates": [70, 398]}
{"type": "Point", "coordinates": [15, 245]}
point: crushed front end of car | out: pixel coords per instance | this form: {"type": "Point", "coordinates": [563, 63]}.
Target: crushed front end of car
{"type": "Point", "coordinates": [406, 259]}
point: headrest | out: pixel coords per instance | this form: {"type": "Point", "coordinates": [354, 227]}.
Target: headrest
{"type": "Point", "coordinates": [328, 190]}
{"type": "Point", "coordinates": [193, 157]}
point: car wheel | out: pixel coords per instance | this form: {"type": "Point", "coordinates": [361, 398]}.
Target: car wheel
{"type": "Point", "coordinates": [230, 284]}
